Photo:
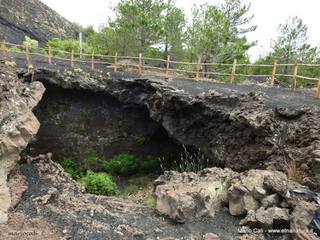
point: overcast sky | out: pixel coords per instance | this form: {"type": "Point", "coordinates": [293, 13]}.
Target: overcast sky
{"type": "Point", "coordinates": [268, 15]}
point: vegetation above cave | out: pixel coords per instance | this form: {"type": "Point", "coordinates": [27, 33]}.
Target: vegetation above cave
{"type": "Point", "coordinates": [214, 33]}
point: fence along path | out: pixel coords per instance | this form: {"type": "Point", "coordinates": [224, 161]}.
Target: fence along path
{"type": "Point", "coordinates": [139, 63]}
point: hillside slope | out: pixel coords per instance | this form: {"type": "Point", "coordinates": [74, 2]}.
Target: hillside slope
{"type": "Point", "coordinates": [34, 19]}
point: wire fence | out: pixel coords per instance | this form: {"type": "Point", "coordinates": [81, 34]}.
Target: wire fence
{"type": "Point", "coordinates": [230, 72]}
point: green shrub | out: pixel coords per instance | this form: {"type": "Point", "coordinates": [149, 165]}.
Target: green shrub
{"type": "Point", "coordinates": [63, 48]}
{"type": "Point", "coordinates": [70, 167]}
{"type": "Point", "coordinates": [123, 164]}
{"type": "Point", "coordinates": [128, 165]}
{"type": "Point", "coordinates": [99, 183]}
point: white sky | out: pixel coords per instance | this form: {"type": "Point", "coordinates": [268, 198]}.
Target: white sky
{"type": "Point", "coordinates": [268, 15]}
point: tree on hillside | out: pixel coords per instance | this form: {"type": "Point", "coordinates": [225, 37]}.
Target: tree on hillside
{"type": "Point", "coordinates": [138, 22]}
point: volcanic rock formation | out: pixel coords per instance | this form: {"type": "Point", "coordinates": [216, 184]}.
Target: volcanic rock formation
{"type": "Point", "coordinates": [238, 131]}
{"type": "Point", "coordinates": [18, 125]}
{"type": "Point", "coordinates": [34, 19]}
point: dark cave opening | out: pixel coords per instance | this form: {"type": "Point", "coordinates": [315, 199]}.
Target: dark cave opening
{"type": "Point", "coordinates": [74, 122]}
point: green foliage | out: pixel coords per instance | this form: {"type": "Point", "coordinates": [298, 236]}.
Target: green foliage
{"type": "Point", "coordinates": [128, 165]}
{"type": "Point", "coordinates": [172, 24]}
{"type": "Point", "coordinates": [103, 42]}
{"type": "Point", "coordinates": [237, 13]}
{"type": "Point", "coordinates": [15, 49]}
{"type": "Point", "coordinates": [150, 201]}
{"type": "Point", "coordinates": [63, 48]}
{"type": "Point", "coordinates": [31, 44]}
{"type": "Point", "coordinates": [69, 166]}
{"type": "Point", "coordinates": [291, 45]}
{"type": "Point", "coordinates": [139, 21]}
{"type": "Point", "coordinates": [123, 164]}
{"type": "Point", "coordinates": [99, 183]}
{"type": "Point", "coordinates": [292, 42]}
{"type": "Point", "coordinates": [153, 52]}
{"type": "Point", "coordinates": [213, 37]}
{"type": "Point", "coordinates": [157, 28]}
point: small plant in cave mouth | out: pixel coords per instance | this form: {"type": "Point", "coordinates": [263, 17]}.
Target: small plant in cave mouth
{"type": "Point", "coordinates": [293, 172]}
{"type": "Point", "coordinates": [190, 161]}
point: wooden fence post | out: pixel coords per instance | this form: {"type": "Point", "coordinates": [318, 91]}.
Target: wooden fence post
{"type": "Point", "coordinates": [140, 63]}
{"type": "Point", "coordinates": [50, 55]}
{"type": "Point", "coordinates": [92, 61]}
{"type": "Point", "coordinates": [72, 58]}
{"type": "Point", "coordinates": [4, 51]}
{"type": "Point", "coordinates": [294, 79]}
{"type": "Point", "coordinates": [274, 71]}
{"type": "Point", "coordinates": [318, 90]}
{"type": "Point", "coordinates": [233, 73]}
{"type": "Point", "coordinates": [168, 66]}
{"type": "Point", "coordinates": [115, 62]}
{"type": "Point", "coordinates": [198, 69]}
{"type": "Point", "coordinates": [27, 55]}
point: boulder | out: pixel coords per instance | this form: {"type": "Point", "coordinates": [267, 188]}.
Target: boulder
{"type": "Point", "coordinates": [257, 188]}
{"type": "Point", "coordinates": [259, 193]}
{"type": "Point", "coordinates": [186, 196]}
{"type": "Point", "coordinates": [270, 201]}
{"type": "Point", "coordinates": [276, 182]}
{"type": "Point", "coordinates": [242, 195]}
{"type": "Point", "coordinates": [268, 217]}
{"type": "Point", "coordinates": [250, 219]}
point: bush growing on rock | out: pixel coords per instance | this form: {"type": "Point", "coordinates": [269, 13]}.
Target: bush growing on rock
{"type": "Point", "coordinates": [99, 183]}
